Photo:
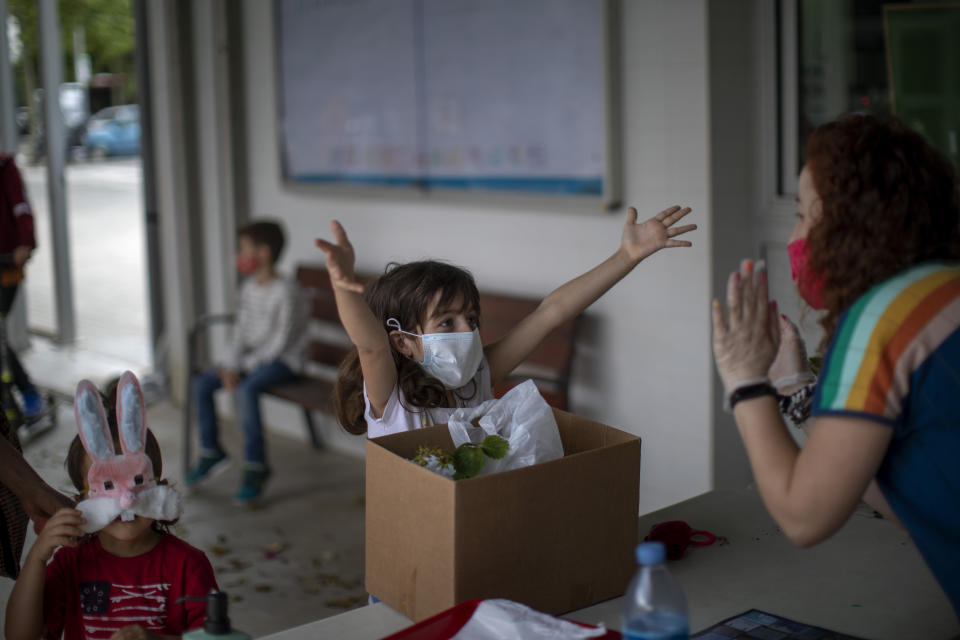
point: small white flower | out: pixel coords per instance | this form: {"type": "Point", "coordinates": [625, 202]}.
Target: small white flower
{"type": "Point", "coordinates": [435, 465]}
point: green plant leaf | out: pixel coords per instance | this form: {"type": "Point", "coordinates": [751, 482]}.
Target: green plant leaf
{"type": "Point", "coordinates": [495, 447]}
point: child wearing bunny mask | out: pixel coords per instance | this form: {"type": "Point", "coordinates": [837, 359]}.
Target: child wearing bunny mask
{"type": "Point", "coordinates": [125, 581]}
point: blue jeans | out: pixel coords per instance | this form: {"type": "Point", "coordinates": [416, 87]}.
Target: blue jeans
{"type": "Point", "coordinates": [248, 407]}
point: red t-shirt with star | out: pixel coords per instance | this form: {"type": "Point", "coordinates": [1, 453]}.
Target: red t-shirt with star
{"type": "Point", "coordinates": [90, 593]}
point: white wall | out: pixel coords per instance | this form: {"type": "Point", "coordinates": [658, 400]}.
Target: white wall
{"type": "Point", "coordinates": [644, 364]}
{"type": "Point", "coordinates": [212, 114]}
{"type": "Point", "coordinates": [164, 38]}
{"type": "Point", "coordinates": [737, 184]}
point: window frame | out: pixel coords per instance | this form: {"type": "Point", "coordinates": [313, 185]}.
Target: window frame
{"type": "Point", "coordinates": [778, 113]}
{"type": "Point", "coordinates": [788, 96]}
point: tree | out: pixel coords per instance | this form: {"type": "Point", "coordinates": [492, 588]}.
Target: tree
{"type": "Point", "coordinates": [109, 32]}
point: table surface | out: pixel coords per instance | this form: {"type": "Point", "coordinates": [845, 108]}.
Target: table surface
{"type": "Point", "coordinates": [868, 580]}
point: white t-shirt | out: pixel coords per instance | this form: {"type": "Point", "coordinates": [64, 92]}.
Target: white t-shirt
{"type": "Point", "coordinates": [399, 416]}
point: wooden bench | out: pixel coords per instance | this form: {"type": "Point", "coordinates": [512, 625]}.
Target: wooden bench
{"type": "Point", "coordinates": [549, 364]}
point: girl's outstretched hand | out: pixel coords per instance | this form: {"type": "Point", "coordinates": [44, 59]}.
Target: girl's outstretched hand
{"type": "Point", "coordinates": [643, 239]}
{"type": "Point", "coordinates": [340, 259]}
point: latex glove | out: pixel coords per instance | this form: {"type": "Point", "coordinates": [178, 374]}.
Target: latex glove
{"type": "Point", "coordinates": [745, 341]}
{"type": "Point", "coordinates": [791, 368]}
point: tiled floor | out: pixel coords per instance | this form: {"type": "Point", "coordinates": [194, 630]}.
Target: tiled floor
{"type": "Point", "coordinates": [295, 559]}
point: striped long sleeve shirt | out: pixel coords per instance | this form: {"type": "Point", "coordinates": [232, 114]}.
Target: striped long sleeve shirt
{"type": "Point", "coordinates": [271, 324]}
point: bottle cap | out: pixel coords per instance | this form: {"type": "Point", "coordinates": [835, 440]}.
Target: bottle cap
{"type": "Point", "coordinates": [217, 622]}
{"type": "Point", "coordinates": [651, 553]}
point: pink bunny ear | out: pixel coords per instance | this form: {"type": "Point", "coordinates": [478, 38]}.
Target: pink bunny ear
{"type": "Point", "coordinates": [131, 414]}
{"type": "Point", "coordinates": [92, 421]}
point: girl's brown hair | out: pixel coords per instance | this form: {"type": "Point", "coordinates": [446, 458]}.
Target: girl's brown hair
{"type": "Point", "coordinates": [890, 201]}
{"type": "Point", "coordinates": [404, 292]}
{"type": "Point", "coordinates": [77, 455]}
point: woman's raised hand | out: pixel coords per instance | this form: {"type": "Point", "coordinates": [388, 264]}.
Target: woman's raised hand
{"type": "Point", "coordinates": [745, 342]}
{"type": "Point", "coordinates": [640, 240]}
{"type": "Point", "coordinates": [340, 259]}
{"type": "Point", "coordinates": [791, 367]}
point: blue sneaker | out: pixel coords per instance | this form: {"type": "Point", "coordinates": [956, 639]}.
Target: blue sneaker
{"type": "Point", "coordinates": [251, 488]}
{"type": "Point", "coordinates": [32, 404]}
{"type": "Point", "coordinates": [207, 467]}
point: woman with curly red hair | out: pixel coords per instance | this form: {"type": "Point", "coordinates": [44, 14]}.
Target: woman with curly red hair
{"type": "Point", "coordinates": [877, 247]}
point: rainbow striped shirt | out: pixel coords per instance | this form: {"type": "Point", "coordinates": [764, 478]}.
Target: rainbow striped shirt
{"type": "Point", "coordinates": [895, 358]}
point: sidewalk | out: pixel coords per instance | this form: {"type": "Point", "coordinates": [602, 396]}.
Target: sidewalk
{"type": "Point", "coordinates": [107, 249]}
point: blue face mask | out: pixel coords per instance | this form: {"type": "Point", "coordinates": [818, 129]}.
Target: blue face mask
{"type": "Point", "coordinates": [451, 358]}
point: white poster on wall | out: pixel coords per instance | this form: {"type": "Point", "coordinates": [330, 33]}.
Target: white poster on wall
{"type": "Point", "coordinates": [349, 103]}
{"type": "Point", "coordinates": [489, 94]}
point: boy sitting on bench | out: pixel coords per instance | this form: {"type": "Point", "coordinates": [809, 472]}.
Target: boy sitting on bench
{"type": "Point", "coordinates": [269, 347]}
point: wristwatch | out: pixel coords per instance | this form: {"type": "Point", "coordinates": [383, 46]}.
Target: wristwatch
{"type": "Point", "coordinates": [751, 391]}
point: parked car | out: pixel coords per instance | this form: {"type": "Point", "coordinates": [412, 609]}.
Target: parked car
{"type": "Point", "coordinates": [114, 131]}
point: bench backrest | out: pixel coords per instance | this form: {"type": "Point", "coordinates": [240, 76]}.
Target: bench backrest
{"type": "Point", "coordinates": [327, 348]}
{"type": "Point", "coordinates": [549, 364]}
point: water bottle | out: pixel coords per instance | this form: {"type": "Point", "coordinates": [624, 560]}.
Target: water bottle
{"type": "Point", "coordinates": [654, 606]}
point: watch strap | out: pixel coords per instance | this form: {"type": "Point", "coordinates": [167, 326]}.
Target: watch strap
{"type": "Point", "coordinates": [750, 391]}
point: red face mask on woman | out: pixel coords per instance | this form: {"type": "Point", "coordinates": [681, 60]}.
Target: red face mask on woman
{"type": "Point", "coordinates": [809, 284]}
{"type": "Point", "coordinates": [247, 265]}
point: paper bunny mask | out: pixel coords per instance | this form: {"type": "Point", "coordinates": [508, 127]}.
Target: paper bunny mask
{"type": "Point", "coordinates": [119, 484]}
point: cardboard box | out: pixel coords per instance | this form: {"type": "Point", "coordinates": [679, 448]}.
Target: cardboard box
{"type": "Point", "coordinates": [556, 536]}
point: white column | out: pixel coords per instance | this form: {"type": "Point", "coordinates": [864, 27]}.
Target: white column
{"type": "Point", "coordinates": [48, 17]}
{"type": "Point", "coordinates": [8, 122]}
{"type": "Point", "coordinates": [165, 34]}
